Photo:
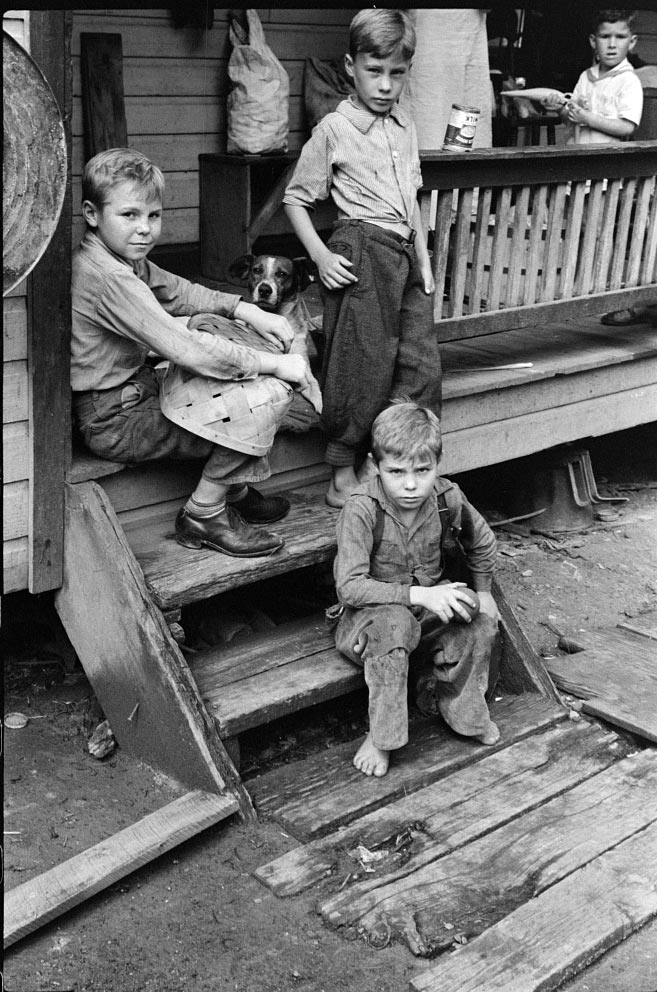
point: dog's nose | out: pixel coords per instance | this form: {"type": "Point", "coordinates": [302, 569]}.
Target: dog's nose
{"type": "Point", "coordinates": [265, 290]}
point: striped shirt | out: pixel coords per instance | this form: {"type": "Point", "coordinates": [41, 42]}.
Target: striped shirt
{"type": "Point", "coordinates": [368, 164]}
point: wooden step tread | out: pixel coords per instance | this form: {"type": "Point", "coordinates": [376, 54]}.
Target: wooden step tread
{"type": "Point", "coordinates": [519, 859]}
{"type": "Point", "coordinates": [176, 576]}
{"type": "Point", "coordinates": [41, 899]}
{"type": "Point", "coordinates": [313, 797]}
{"type": "Point", "coordinates": [453, 811]}
{"type": "Point", "coordinates": [548, 939]}
{"type": "Point", "coordinates": [273, 674]}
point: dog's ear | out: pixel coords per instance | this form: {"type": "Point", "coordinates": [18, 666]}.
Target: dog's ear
{"type": "Point", "coordinates": [241, 267]}
{"type": "Point", "coordinates": [305, 272]}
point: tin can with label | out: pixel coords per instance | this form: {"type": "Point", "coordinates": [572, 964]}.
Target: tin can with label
{"type": "Point", "coordinates": [461, 128]}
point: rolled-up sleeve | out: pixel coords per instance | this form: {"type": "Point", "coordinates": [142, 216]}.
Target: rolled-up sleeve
{"type": "Point", "coordinates": [130, 307]}
{"type": "Point", "coordinates": [354, 584]}
{"type": "Point", "coordinates": [312, 176]}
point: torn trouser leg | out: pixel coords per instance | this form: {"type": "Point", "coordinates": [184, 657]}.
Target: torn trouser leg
{"type": "Point", "coordinates": [456, 659]}
{"type": "Point", "coordinates": [390, 633]}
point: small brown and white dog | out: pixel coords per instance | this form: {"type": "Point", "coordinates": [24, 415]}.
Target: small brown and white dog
{"type": "Point", "coordinates": [275, 284]}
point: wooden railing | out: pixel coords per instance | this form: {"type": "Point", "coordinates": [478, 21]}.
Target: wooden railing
{"type": "Point", "coordinates": [536, 234]}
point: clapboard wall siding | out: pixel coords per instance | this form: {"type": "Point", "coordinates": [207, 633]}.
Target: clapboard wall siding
{"type": "Point", "coordinates": [15, 394]}
{"type": "Point", "coordinates": [176, 84]}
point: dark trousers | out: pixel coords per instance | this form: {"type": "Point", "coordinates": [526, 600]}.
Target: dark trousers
{"type": "Point", "coordinates": [126, 424]}
{"type": "Point", "coordinates": [452, 662]}
{"type": "Point", "coordinates": [380, 339]}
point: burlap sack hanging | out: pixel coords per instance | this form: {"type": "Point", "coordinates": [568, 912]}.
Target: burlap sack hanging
{"type": "Point", "coordinates": [258, 101]}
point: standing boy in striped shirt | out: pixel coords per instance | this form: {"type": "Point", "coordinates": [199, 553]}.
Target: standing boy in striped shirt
{"type": "Point", "coordinates": [375, 271]}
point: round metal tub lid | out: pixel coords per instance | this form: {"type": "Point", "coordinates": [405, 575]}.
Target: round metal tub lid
{"type": "Point", "coordinates": [34, 164]}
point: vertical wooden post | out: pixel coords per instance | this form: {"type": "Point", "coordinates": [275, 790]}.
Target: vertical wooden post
{"type": "Point", "coordinates": [49, 319]}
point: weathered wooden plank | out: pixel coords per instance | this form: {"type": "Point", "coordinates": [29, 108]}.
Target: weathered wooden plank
{"type": "Point", "coordinates": [478, 287]}
{"type": "Point", "coordinates": [572, 236]}
{"type": "Point", "coordinates": [517, 436]}
{"type": "Point", "coordinates": [649, 261]}
{"type": "Point", "coordinates": [103, 105]}
{"type": "Point", "coordinates": [455, 810]}
{"type": "Point", "coordinates": [616, 676]}
{"type": "Point", "coordinates": [549, 939]}
{"type": "Point", "coordinates": [553, 242]}
{"type": "Point", "coordinates": [583, 282]}
{"type": "Point", "coordinates": [605, 241]}
{"type": "Point", "coordinates": [129, 655]}
{"type": "Point", "coordinates": [176, 575]}
{"type": "Point", "coordinates": [15, 451]}
{"type": "Point", "coordinates": [441, 248]}
{"type": "Point", "coordinates": [478, 325]}
{"type": "Point", "coordinates": [519, 860]}
{"type": "Point", "coordinates": [15, 509]}
{"type": "Point", "coordinates": [621, 234]}
{"type": "Point", "coordinates": [535, 248]}
{"type": "Point", "coordinates": [500, 247]}
{"type": "Point", "coordinates": [638, 232]}
{"type": "Point", "coordinates": [14, 392]}
{"type": "Point", "coordinates": [460, 250]}
{"type": "Point", "coordinates": [215, 668]}
{"type": "Point", "coordinates": [14, 329]}
{"type": "Point", "coordinates": [496, 403]}
{"type": "Point", "coordinates": [524, 671]}
{"type": "Point", "coordinates": [518, 247]}
{"type": "Point", "coordinates": [332, 792]}
{"type": "Point", "coordinates": [14, 565]}
{"type": "Point", "coordinates": [49, 307]}
{"type": "Point", "coordinates": [42, 899]}
{"type": "Point", "coordinates": [242, 705]}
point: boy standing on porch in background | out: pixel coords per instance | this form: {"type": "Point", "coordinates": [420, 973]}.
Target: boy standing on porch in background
{"type": "Point", "coordinates": [125, 307]}
{"type": "Point", "coordinates": [393, 576]}
{"type": "Point", "coordinates": [375, 270]}
{"type": "Point", "coordinates": [607, 101]}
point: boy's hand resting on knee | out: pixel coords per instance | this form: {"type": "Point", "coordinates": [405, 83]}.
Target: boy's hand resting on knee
{"type": "Point", "coordinates": [290, 368]}
{"type": "Point", "coordinates": [448, 600]}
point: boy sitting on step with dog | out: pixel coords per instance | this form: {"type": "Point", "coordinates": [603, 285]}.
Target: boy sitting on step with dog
{"type": "Point", "coordinates": [230, 381]}
{"type": "Point", "coordinates": [402, 540]}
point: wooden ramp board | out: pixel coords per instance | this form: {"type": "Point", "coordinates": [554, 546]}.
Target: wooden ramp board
{"type": "Point", "coordinates": [314, 797]}
{"type": "Point", "coordinates": [176, 576]}
{"type": "Point", "coordinates": [267, 676]}
{"type": "Point", "coordinates": [469, 890]}
{"type": "Point", "coordinates": [549, 939]}
{"type": "Point", "coordinates": [616, 676]}
{"type": "Point", "coordinates": [452, 812]}
{"type": "Point", "coordinates": [38, 901]}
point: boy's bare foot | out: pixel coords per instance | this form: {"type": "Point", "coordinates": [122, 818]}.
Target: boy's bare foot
{"type": "Point", "coordinates": [342, 485]}
{"type": "Point", "coordinates": [370, 759]}
{"type": "Point", "coordinates": [490, 736]}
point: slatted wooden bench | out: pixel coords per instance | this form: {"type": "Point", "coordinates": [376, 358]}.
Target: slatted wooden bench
{"type": "Point", "coordinates": [530, 247]}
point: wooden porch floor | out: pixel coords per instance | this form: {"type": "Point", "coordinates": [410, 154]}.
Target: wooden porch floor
{"type": "Point", "coordinates": [510, 868]}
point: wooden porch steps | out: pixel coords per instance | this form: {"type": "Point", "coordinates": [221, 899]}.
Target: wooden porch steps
{"type": "Point", "coordinates": [511, 868]}
{"type": "Point", "coordinates": [269, 675]}
{"type": "Point", "coordinates": [177, 576]}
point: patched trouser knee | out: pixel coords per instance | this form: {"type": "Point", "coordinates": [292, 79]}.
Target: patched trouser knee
{"type": "Point", "coordinates": [387, 635]}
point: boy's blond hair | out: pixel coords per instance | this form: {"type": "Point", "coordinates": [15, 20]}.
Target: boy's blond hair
{"type": "Point", "coordinates": [120, 165]}
{"type": "Point", "coordinates": [381, 33]}
{"type": "Point", "coordinates": [406, 430]}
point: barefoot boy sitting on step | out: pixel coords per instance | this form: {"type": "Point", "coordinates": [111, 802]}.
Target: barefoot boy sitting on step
{"type": "Point", "coordinates": [397, 597]}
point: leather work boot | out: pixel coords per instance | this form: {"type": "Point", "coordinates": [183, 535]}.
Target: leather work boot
{"type": "Point", "coordinates": [258, 509]}
{"type": "Point", "coordinates": [226, 532]}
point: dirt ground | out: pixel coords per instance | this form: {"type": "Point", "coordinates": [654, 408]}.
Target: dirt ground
{"type": "Point", "coordinates": [196, 920]}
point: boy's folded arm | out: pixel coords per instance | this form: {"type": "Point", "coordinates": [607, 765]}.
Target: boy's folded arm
{"type": "Point", "coordinates": [129, 308]}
